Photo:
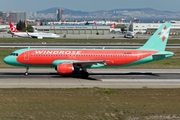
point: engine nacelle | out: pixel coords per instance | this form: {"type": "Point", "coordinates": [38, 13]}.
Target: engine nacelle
{"type": "Point", "coordinates": [64, 69]}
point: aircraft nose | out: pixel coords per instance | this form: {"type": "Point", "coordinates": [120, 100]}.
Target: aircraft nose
{"type": "Point", "coordinates": [11, 60]}
{"type": "Point", "coordinates": [7, 60]}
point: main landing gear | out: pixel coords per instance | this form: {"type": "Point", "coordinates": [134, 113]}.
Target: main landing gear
{"type": "Point", "coordinates": [84, 73]}
{"type": "Point", "coordinates": [26, 73]}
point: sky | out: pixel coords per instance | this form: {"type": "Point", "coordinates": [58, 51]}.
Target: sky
{"type": "Point", "coordinates": [88, 5]}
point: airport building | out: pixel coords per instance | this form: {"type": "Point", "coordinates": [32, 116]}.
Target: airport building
{"type": "Point", "coordinates": [58, 14]}
{"type": "Point", "coordinates": [75, 29]}
{"type": "Point", "coordinates": [3, 16]}
{"type": "Point", "coordinates": [152, 27]}
{"type": "Point", "coordinates": [15, 16]}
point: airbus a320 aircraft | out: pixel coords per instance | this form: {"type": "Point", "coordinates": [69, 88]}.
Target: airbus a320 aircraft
{"type": "Point", "coordinates": [65, 61]}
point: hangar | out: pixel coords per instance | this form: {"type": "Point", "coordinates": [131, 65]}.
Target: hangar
{"type": "Point", "coordinates": [75, 29]}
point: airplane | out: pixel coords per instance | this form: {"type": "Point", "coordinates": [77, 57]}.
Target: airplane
{"type": "Point", "coordinates": [31, 35]}
{"type": "Point", "coordinates": [113, 29]}
{"type": "Point", "coordinates": [42, 35]}
{"type": "Point", "coordinates": [69, 60]}
{"type": "Point", "coordinates": [26, 23]}
{"type": "Point", "coordinates": [13, 23]}
{"type": "Point", "coordinates": [129, 33]}
{"type": "Point", "coordinates": [38, 24]}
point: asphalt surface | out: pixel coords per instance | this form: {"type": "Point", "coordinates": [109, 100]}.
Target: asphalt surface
{"type": "Point", "coordinates": [102, 78]}
{"type": "Point", "coordinates": [108, 36]}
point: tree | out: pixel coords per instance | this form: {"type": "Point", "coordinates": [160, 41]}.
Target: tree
{"type": "Point", "coordinates": [123, 29]}
{"type": "Point", "coordinates": [41, 23]}
{"type": "Point", "coordinates": [20, 25]}
{"type": "Point", "coordinates": [29, 28]}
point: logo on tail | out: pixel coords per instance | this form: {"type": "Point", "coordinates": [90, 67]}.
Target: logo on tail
{"type": "Point", "coordinates": [13, 29]}
{"type": "Point", "coordinates": [164, 33]}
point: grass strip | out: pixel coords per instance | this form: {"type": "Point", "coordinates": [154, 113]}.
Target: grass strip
{"type": "Point", "coordinates": [80, 41]}
{"type": "Point", "coordinates": [95, 103]}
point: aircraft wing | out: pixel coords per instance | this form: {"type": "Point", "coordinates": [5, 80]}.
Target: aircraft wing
{"type": "Point", "coordinates": [80, 63]}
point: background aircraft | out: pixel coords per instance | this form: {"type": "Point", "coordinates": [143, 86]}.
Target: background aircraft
{"type": "Point", "coordinates": [66, 61]}
{"type": "Point", "coordinates": [113, 29]}
{"type": "Point", "coordinates": [32, 35]}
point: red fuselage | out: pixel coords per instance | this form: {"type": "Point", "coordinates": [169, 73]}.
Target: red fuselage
{"type": "Point", "coordinates": [114, 57]}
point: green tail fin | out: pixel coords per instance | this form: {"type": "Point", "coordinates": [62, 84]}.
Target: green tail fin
{"type": "Point", "coordinates": [159, 39]}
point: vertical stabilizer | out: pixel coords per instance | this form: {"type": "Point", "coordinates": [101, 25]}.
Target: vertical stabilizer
{"type": "Point", "coordinates": [159, 39]}
{"type": "Point", "coordinates": [13, 29]}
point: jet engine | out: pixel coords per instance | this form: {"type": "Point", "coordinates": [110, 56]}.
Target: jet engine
{"type": "Point", "coordinates": [64, 69]}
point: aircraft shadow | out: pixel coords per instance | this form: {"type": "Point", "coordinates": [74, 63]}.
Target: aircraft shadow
{"type": "Point", "coordinates": [124, 74]}
{"type": "Point", "coordinates": [92, 76]}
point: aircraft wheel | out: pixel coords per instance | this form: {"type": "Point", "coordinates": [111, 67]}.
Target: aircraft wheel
{"type": "Point", "coordinates": [26, 73]}
{"type": "Point", "coordinates": [124, 36]}
{"type": "Point", "coordinates": [84, 74]}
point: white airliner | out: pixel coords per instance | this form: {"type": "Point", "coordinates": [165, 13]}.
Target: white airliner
{"type": "Point", "coordinates": [129, 33]}
{"type": "Point", "coordinates": [31, 35]}
{"type": "Point", "coordinates": [113, 29]}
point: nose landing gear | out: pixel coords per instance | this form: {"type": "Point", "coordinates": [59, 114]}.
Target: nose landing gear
{"type": "Point", "coordinates": [26, 73]}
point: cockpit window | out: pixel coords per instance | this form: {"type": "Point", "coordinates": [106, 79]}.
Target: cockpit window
{"type": "Point", "coordinates": [14, 54]}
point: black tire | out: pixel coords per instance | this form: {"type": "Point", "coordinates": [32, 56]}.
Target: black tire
{"type": "Point", "coordinates": [26, 73]}
{"type": "Point", "coordinates": [84, 74]}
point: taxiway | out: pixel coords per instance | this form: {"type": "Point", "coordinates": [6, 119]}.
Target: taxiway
{"type": "Point", "coordinates": [101, 78]}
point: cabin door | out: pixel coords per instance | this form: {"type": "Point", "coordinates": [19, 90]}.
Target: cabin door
{"type": "Point", "coordinates": [139, 55]}
{"type": "Point", "coordinates": [26, 55]}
